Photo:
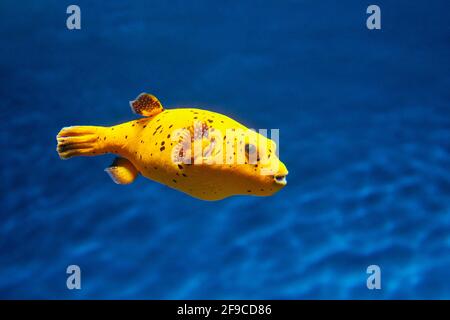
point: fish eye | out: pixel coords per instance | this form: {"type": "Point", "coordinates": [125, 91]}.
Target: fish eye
{"type": "Point", "coordinates": [250, 148]}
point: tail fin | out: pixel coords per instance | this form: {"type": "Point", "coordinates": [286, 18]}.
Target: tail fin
{"type": "Point", "coordinates": [78, 141]}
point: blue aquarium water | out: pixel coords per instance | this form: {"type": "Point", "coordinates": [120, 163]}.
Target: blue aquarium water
{"type": "Point", "coordinates": [364, 125]}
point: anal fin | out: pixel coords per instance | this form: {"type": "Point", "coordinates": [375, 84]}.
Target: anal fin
{"type": "Point", "coordinates": [122, 171]}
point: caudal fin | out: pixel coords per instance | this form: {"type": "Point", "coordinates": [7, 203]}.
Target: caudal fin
{"type": "Point", "coordinates": [78, 141]}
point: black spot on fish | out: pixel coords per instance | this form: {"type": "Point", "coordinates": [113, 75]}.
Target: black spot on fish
{"type": "Point", "coordinates": [210, 121]}
{"type": "Point", "coordinates": [184, 175]}
{"type": "Point", "coordinates": [171, 126]}
{"type": "Point", "coordinates": [168, 136]}
{"type": "Point", "coordinates": [180, 167]}
{"type": "Point", "coordinates": [145, 126]}
{"type": "Point", "coordinates": [249, 190]}
{"type": "Point", "coordinates": [174, 180]}
{"type": "Point", "coordinates": [162, 143]}
{"type": "Point", "coordinates": [162, 148]}
{"type": "Point", "coordinates": [126, 137]}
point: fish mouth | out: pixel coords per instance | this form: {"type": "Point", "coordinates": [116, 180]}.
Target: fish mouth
{"type": "Point", "coordinates": [280, 179]}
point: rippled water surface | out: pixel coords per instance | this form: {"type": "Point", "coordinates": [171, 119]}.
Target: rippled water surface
{"type": "Point", "coordinates": [364, 129]}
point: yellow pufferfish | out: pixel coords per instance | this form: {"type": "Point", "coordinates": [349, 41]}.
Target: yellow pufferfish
{"type": "Point", "coordinates": [162, 147]}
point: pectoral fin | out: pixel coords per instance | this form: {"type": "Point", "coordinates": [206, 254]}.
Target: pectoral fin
{"type": "Point", "coordinates": [122, 171]}
{"type": "Point", "coordinates": [146, 105]}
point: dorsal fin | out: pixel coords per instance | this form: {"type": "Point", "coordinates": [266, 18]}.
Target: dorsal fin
{"type": "Point", "coordinates": [146, 105]}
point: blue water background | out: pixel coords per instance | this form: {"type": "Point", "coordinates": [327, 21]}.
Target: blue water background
{"type": "Point", "coordinates": [364, 129]}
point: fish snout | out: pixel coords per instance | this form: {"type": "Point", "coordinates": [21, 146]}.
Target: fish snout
{"type": "Point", "coordinates": [280, 178]}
